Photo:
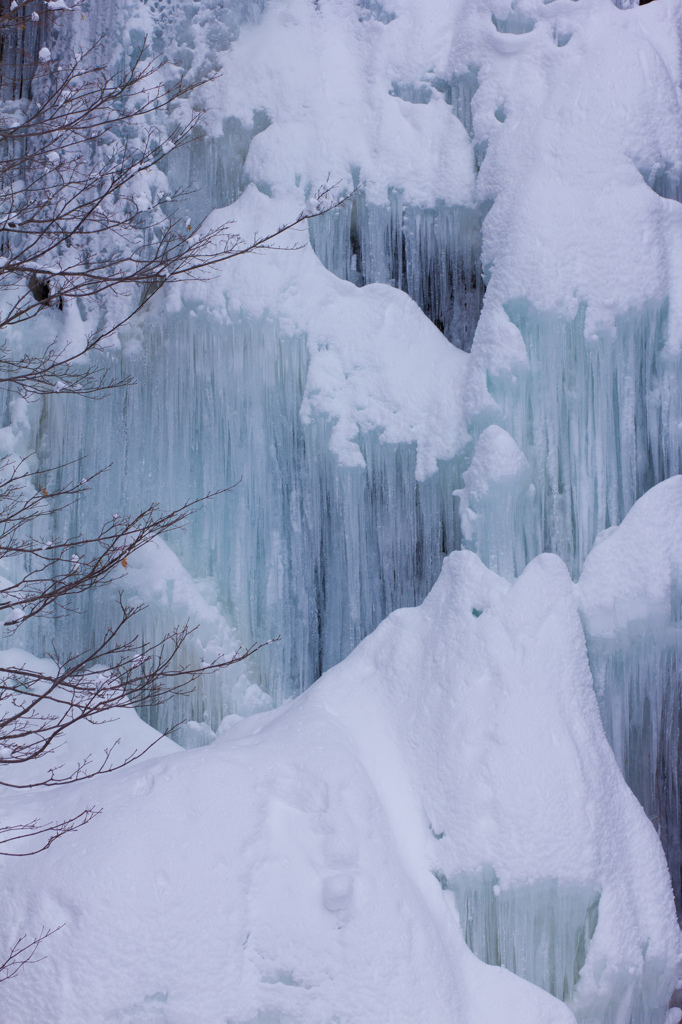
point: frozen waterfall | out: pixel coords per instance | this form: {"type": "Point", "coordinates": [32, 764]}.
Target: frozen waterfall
{"type": "Point", "coordinates": [445, 424]}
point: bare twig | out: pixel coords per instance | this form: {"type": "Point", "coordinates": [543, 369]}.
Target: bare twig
{"type": "Point", "coordinates": [86, 214]}
{"type": "Point", "coordinates": [24, 952]}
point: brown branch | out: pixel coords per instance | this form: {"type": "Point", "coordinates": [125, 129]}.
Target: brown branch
{"type": "Point", "coordinates": [23, 952]}
{"type": "Point", "coordinates": [73, 228]}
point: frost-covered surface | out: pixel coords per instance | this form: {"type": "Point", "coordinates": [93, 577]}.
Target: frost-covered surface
{"type": "Point", "coordinates": [450, 781]}
{"type": "Point", "coordinates": [630, 595]}
{"type": "Point", "coordinates": [300, 868]}
{"type": "Point", "coordinates": [633, 576]}
{"type": "Point", "coordinates": [376, 362]}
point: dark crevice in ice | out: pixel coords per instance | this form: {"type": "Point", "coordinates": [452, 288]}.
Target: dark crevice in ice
{"type": "Point", "coordinates": [432, 254]}
{"type": "Point", "coordinates": [515, 23]}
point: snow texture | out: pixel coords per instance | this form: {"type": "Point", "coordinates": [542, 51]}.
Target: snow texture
{"type": "Point", "coordinates": [447, 788]}
{"type": "Point", "coordinates": [302, 865]}
{"type": "Point", "coordinates": [633, 575]}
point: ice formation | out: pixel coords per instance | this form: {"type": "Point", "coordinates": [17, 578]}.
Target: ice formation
{"type": "Point", "coordinates": [454, 411]}
{"type": "Point", "coordinates": [630, 594]}
{"type": "Point", "coordinates": [315, 861]}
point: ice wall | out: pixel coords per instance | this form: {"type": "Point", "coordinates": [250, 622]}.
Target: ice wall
{"type": "Point", "coordinates": [540, 931]}
{"type": "Point", "coordinates": [344, 507]}
{"type": "Point", "coordinates": [432, 254]}
{"type": "Point", "coordinates": [630, 602]}
{"type": "Point", "coordinates": [530, 151]}
{"type": "Point", "coordinates": [580, 329]}
{"type": "Point", "coordinates": [339, 417]}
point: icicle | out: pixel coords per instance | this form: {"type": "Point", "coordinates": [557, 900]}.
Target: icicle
{"type": "Point", "coordinates": [432, 254]}
{"type": "Point", "coordinates": [540, 931]}
{"type": "Point", "coordinates": [302, 548]}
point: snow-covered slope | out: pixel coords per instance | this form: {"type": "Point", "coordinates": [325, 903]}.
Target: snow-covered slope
{"type": "Point", "coordinates": [307, 866]}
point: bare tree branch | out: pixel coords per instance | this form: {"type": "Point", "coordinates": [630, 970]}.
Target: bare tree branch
{"type": "Point", "coordinates": [82, 215]}
{"type": "Point", "coordinates": [24, 952]}
{"type": "Point", "coordinates": [87, 217]}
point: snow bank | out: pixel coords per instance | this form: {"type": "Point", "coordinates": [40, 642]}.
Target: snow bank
{"type": "Point", "coordinates": [305, 866]}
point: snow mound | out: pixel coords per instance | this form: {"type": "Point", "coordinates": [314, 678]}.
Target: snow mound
{"type": "Point", "coordinates": [306, 865]}
{"type": "Point", "coordinates": [633, 575]}
{"type": "Point", "coordinates": [332, 85]}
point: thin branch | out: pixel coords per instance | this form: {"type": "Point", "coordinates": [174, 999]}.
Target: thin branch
{"type": "Point", "coordinates": [24, 952]}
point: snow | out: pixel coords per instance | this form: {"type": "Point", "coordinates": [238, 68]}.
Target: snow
{"type": "Point", "coordinates": [586, 128]}
{"type": "Point", "coordinates": [497, 460]}
{"type": "Point", "coordinates": [633, 575]}
{"type": "Point", "coordinates": [291, 865]}
{"type": "Point", "coordinates": [313, 69]}
{"type": "Point", "coordinates": [449, 785]}
{"type": "Point", "coordinates": [376, 363]}
{"type": "Point", "coordinates": [576, 116]}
